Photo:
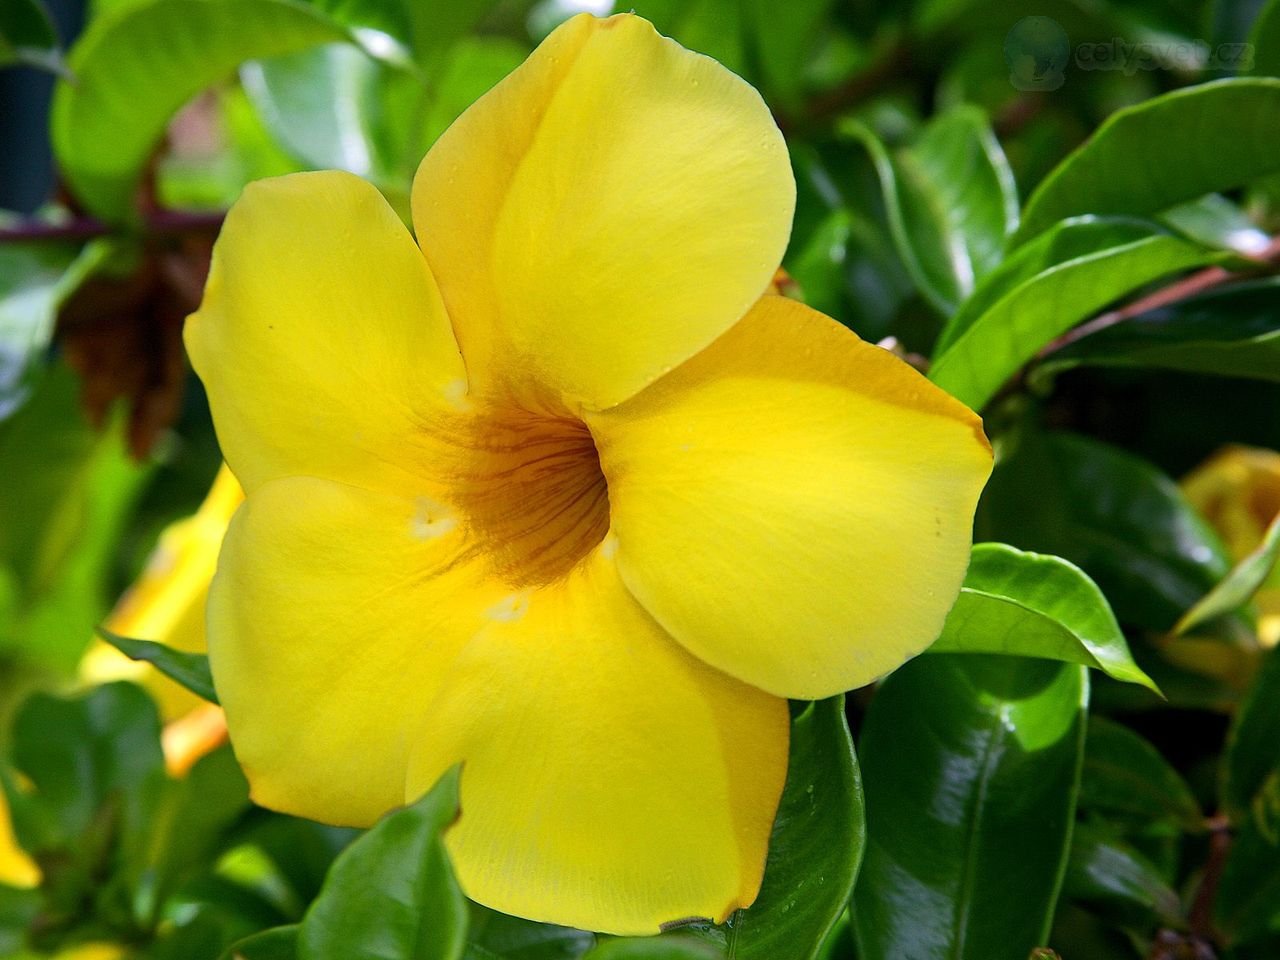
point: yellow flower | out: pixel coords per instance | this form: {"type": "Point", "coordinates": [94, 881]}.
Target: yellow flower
{"type": "Point", "coordinates": [559, 494]}
{"type": "Point", "coordinates": [167, 603]}
{"type": "Point", "coordinates": [16, 868]}
{"type": "Point", "coordinates": [1238, 492]}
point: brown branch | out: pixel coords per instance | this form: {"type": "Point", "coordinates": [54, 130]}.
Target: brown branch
{"type": "Point", "coordinates": [1184, 289]}
{"type": "Point", "coordinates": [156, 224]}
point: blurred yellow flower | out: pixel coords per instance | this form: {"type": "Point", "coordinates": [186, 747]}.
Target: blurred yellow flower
{"type": "Point", "coordinates": [564, 493]}
{"type": "Point", "coordinates": [167, 603]}
{"type": "Point", "coordinates": [16, 868]}
{"type": "Point", "coordinates": [1238, 492]}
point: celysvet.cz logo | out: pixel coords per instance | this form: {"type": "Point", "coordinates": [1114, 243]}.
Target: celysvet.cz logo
{"type": "Point", "coordinates": [1038, 53]}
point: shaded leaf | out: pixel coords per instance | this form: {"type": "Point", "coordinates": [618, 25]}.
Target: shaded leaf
{"type": "Point", "coordinates": [1253, 743]}
{"type": "Point", "coordinates": [1029, 604]}
{"type": "Point", "coordinates": [28, 36]}
{"type": "Point", "coordinates": [1105, 871]}
{"type": "Point", "coordinates": [189, 670]}
{"type": "Point", "coordinates": [1126, 777]}
{"type": "Point", "coordinates": [1111, 513]}
{"type": "Point", "coordinates": [278, 943]}
{"type": "Point", "coordinates": [1232, 332]}
{"type": "Point", "coordinates": [492, 935]}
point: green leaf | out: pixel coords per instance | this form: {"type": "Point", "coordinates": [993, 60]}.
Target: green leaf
{"type": "Point", "coordinates": [991, 349]}
{"type": "Point", "coordinates": [1265, 40]}
{"type": "Point", "coordinates": [815, 848]}
{"type": "Point", "coordinates": [496, 936]}
{"type": "Point", "coordinates": [1125, 166]}
{"type": "Point", "coordinates": [1064, 242]}
{"type": "Point", "coordinates": [278, 943]}
{"type": "Point", "coordinates": [66, 492]}
{"type": "Point", "coordinates": [1034, 605]}
{"type": "Point", "coordinates": [1127, 778]}
{"type": "Point", "coordinates": [392, 893]}
{"type": "Point", "coordinates": [653, 948]}
{"type": "Point", "coordinates": [1214, 221]}
{"type": "Point", "coordinates": [1238, 586]}
{"type": "Point", "coordinates": [135, 67]}
{"type": "Point", "coordinates": [35, 280]}
{"type": "Point", "coordinates": [1111, 513]}
{"type": "Point", "coordinates": [971, 767]}
{"type": "Point", "coordinates": [784, 41]}
{"type": "Point", "coordinates": [1232, 332]}
{"type": "Point", "coordinates": [78, 754]}
{"type": "Point", "coordinates": [190, 670]}
{"type": "Point", "coordinates": [1253, 743]}
{"type": "Point", "coordinates": [322, 105]}
{"type": "Point", "coordinates": [28, 36]}
{"type": "Point", "coordinates": [950, 202]}
{"type": "Point", "coordinates": [1107, 872]}
{"type": "Point", "coordinates": [1247, 906]}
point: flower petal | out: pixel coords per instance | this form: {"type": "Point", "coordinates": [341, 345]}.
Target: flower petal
{"type": "Point", "coordinates": [333, 617]}
{"type": "Point", "coordinates": [603, 213]}
{"type": "Point", "coordinates": [322, 340]}
{"type": "Point", "coordinates": [794, 505]}
{"type": "Point", "coordinates": [610, 781]}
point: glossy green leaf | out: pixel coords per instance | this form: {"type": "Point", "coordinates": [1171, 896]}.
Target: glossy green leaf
{"type": "Point", "coordinates": [982, 358]}
{"type": "Point", "coordinates": [1253, 743]}
{"type": "Point", "coordinates": [815, 848]}
{"type": "Point", "coordinates": [972, 766]}
{"type": "Point", "coordinates": [392, 895]}
{"type": "Point", "coordinates": [492, 935]}
{"type": "Point", "coordinates": [28, 36]}
{"type": "Point", "coordinates": [1265, 40]}
{"type": "Point", "coordinates": [1232, 332]}
{"type": "Point", "coordinates": [654, 948]}
{"type": "Point", "coordinates": [78, 754]}
{"type": "Point", "coordinates": [190, 670]}
{"type": "Point", "coordinates": [135, 67]}
{"type": "Point", "coordinates": [1111, 513]}
{"type": "Point", "coordinates": [35, 279]}
{"type": "Point", "coordinates": [1126, 778]}
{"type": "Point", "coordinates": [1215, 221]}
{"type": "Point", "coordinates": [1105, 871]}
{"type": "Point", "coordinates": [950, 202]}
{"type": "Point", "coordinates": [1125, 166]}
{"type": "Point", "coordinates": [1065, 242]}
{"type": "Point", "coordinates": [435, 25]}
{"type": "Point", "coordinates": [322, 104]}
{"type": "Point", "coordinates": [1032, 605]}
{"type": "Point", "coordinates": [1238, 586]}
{"type": "Point", "coordinates": [278, 943]}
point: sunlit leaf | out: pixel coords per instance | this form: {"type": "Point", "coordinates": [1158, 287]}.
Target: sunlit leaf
{"type": "Point", "coordinates": [1124, 167]}
{"type": "Point", "coordinates": [135, 67]}
{"type": "Point", "coordinates": [1033, 605]}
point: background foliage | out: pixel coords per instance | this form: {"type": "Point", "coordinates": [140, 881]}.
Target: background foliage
{"type": "Point", "coordinates": [1073, 231]}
